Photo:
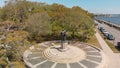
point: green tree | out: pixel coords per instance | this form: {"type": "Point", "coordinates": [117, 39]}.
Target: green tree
{"type": "Point", "coordinates": [15, 43]}
{"type": "Point", "coordinates": [39, 25]}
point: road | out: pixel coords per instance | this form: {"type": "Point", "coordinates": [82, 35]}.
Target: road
{"type": "Point", "coordinates": [111, 30]}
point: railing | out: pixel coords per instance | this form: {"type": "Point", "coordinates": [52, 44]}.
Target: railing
{"type": "Point", "coordinates": [108, 23]}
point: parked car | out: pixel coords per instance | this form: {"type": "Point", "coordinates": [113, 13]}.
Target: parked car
{"type": "Point", "coordinates": [118, 45]}
{"type": "Point", "coordinates": [101, 29]}
{"type": "Point", "coordinates": [96, 24]}
{"type": "Point", "coordinates": [105, 32]}
{"type": "Point", "coordinates": [110, 37]}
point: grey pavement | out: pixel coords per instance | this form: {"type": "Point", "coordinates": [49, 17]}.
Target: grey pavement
{"type": "Point", "coordinates": [75, 65]}
{"type": "Point", "coordinates": [114, 58]}
{"type": "Point", "coordinates": [111, 30]}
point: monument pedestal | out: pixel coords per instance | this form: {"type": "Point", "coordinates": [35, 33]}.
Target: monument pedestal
{"type": "Point", "coordinates": [64, 47]}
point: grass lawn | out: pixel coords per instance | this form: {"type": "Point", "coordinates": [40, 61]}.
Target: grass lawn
{"type": "Point", "coordinates": [93, 40]}
{"type": "Point", "coordinates": [112, 46]}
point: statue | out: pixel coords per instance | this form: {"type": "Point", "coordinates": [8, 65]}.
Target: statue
{"type": "Point", "coordinates": [63, 39]}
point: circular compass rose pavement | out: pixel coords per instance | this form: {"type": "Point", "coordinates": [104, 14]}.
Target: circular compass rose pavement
{"type": "Point", "coordinates": [76, 55]}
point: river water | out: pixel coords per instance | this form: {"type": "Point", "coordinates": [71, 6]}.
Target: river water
{"type": "Point", "coordinates": [112, 19]}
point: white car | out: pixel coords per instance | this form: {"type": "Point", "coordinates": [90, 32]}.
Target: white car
{"type": "Point", "coordinates": [104, 32]}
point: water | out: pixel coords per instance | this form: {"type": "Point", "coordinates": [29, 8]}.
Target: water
{"type": "Point", "coordinates": [112, 19]}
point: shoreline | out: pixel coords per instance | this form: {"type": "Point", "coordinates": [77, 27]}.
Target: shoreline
{"type": "Point", "coordinates": [108, 23]}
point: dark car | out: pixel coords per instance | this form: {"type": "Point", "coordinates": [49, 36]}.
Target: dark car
{"type": "Point", "coordinates": [101, 29]}
{"type": "Point", "coordinates": [110, 37]}
{"type": "Point", "coordinates": [118, 45]}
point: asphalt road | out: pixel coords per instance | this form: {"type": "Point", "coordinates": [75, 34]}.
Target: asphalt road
{"type": "Point", "coordinates": [111, 30]}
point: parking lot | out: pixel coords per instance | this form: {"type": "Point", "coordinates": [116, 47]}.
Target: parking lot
{"type": "Point", "coordinates": [111, 30]}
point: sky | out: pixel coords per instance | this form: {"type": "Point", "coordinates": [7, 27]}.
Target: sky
{"type": "Point", "coordinates": [93, 6]}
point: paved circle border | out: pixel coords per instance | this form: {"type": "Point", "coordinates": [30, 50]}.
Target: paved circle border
{"type": "Point", "coordinates": [103, 63]}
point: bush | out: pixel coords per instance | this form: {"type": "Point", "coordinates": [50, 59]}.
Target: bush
{"type": "Point", "coordinates": [3, 62]}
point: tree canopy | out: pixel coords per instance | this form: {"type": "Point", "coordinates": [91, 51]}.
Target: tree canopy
{"type": "Point", "coordinates": [22, 23]}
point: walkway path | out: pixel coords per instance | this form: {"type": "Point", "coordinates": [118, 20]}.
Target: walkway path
{"type": "Point", "coordinates": [114, 58]}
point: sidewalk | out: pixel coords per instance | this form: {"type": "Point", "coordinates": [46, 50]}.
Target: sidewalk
{"type": "Point", "coordinates": [113, 59]}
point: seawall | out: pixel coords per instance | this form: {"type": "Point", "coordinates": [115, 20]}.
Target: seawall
{"type": "Point", "coordinates": [108, 23]}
